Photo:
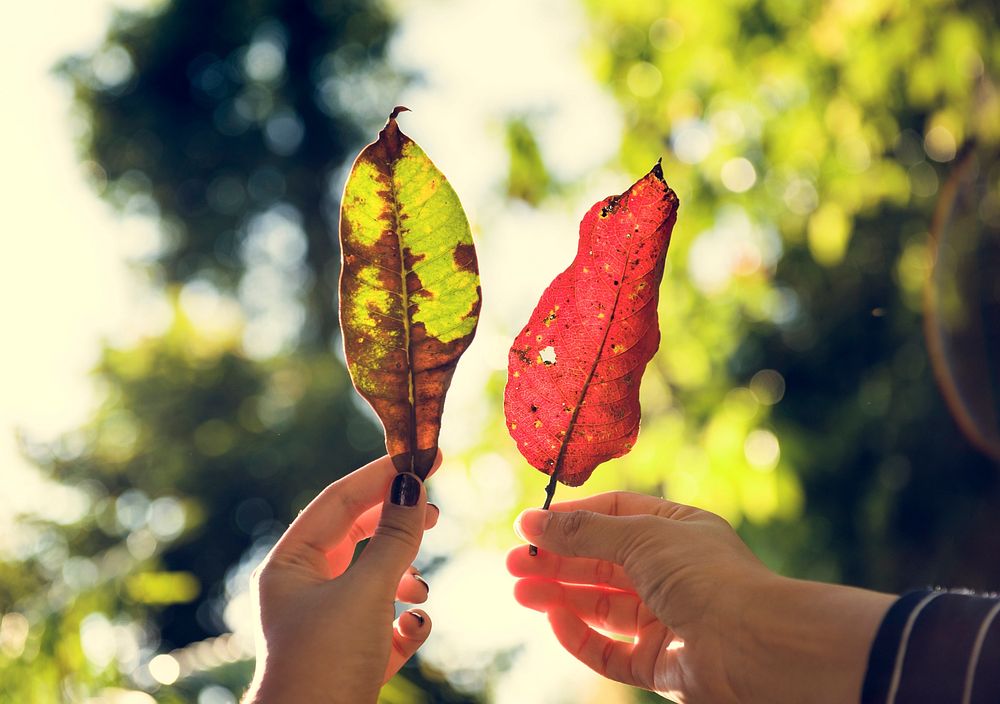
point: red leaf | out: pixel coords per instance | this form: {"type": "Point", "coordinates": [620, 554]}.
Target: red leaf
{"type": "Point", "coordinates": [572, 396]}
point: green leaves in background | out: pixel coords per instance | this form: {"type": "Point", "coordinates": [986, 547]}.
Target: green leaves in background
{"type": "Point", "coordinates": [409, 290]}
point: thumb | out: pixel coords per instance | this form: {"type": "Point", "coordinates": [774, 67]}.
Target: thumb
{"type": "Point", "coordinates": [578, 533]}
{"type": "Point", "coordinates": [397, 537]}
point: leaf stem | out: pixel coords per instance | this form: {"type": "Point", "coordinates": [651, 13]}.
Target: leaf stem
{"type": "Point", "coordinates": [550, 492]}
{"type": "Point", "coordinates": [550, 489]}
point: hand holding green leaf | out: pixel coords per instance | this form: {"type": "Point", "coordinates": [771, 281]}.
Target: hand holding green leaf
{"type": "Point", "coordinates": [409, 290]}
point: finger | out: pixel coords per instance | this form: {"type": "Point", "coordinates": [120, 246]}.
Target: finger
{"type": "Point", "coordinates": [364, 527]}
{"type": "Point", "coordinates": [626, 503]}
{"type": "Point", "coordinates": [413, 588]}
{"type": "Point", "coordinates": [397, 536]}
{"type": "Point", "coordinates": [340, 557]}
{"type": "Point", "coordinates": [607, 609]}
{"type": "Point", "coordinates": [573, 570]}
{"type": "Point", "coordinates": [582, 533]}
{"type": "Point", "coordinates": [409, 632]}
{"type": "Point", "coordinates": [607, 657]}
{"type": "Point", "coordinates": [328, 517]}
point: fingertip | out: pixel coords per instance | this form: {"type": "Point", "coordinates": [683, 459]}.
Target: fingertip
{"type": "Point", "coordinates": [414, 624]}
{"type": "Point", "coordinates": [432, 516]}
{"type": "Point", "coordinates": [530, 525]}
{"type": "Point", "coordinates": [409, 633]}
{"type": "Point", "coordinates": [406, 490]}
{"type": "Point", "coordinates": [438, 459]}
{"type": "Point", "coordinates": [413, 588]}
{"type": "Point", "coordinates": [537, 594]}
{"type": "Point", "coordinates": [520, 563]}
{"type": "Point", "coordinates": [513, 561]}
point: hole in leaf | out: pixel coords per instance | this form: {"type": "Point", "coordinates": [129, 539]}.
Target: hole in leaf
{"type": "Point", "coordinates": [548, 355]}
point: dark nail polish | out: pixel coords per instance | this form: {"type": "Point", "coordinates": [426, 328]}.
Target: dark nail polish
{"type": "Point", "coordinates": [405, 490]}
{"type": "Point", "coordinates": [423, 581]}
{"type": "Point", "coordinates": [417, 616]}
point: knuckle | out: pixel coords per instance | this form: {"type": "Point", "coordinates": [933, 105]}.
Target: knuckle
{"type": "Point", "coordinates": [574, 524]}
{"type": "Point", "coordinates": [614, 505]}
{"type": "Point", "coordinates": [356, 534]}
{"type": "Point", "coordinates": [346, 504]}
{"type": "Point", "coordinates": [717, 519]}
{"type": "Point", "coordinates": [260, 574]}
{"type": "Point", "coordinates": [604, 572]}
{"type": "Point", "coordinates": [607, 651]}
{"type": "Point", "coordinates": [405, 534]}
{"type": "Point", "coordinates": [644, 542]}
{"type": "Point", "coordinates": [656, 588]}
{"type": "Point", "coordinates": [602, 608]}
{"type": "Point", "coordinates": [649, 526]}
{"type": "Point", "coordinates": [665, 509]}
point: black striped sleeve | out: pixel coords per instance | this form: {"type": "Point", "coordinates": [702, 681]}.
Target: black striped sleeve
{"type": "Point", "coordinates": [936, 646]}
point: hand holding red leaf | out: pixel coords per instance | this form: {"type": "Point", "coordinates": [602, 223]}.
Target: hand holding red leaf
{"type": "Point", "coordinates": [572, 396]}
{"type": "Point", "coordinates": [409, 291]}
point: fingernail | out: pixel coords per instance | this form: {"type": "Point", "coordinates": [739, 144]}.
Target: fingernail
{"type": "Point", "coordinates": [417, 615]}
{"type": "Point", "coordinates": [433, 506]}
{"type": "Point", "coordinates": [531, 523]}
{"type": "Point", "coordinates": [423, 581]}
{"type": "Point", "coordinates": [405, 490]}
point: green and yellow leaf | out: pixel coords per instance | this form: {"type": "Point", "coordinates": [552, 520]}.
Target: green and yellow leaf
{"type": "Point", "coordinates": [409, 290]}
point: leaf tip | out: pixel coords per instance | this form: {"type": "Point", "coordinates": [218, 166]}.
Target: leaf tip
{"type": "Point", "coordinates": [658, 169]}
{"type": "Point", "coordinates": [396, 111]}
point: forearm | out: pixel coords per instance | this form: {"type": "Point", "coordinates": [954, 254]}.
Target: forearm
{"type": "Point", "coordinates": [809, 642]}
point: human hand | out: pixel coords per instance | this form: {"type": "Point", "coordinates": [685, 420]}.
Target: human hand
{"type": "Point", "coordinates": [326, 631]}
{"type": "Point", "coordinates": [708, 621]}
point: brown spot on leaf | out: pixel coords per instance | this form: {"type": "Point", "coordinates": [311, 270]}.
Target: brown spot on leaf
{"type": "Point", "coordinates": [465, 258]}
{"type": "Point", "coordinates": [410, 259]}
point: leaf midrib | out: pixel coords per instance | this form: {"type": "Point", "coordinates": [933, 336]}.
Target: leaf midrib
{"type": "Point", "coordinates": [597, 358]}
{"type": "Point", "coordinates": [397, 223]}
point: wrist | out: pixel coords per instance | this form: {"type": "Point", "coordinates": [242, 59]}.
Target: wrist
{"type": "Point", "coordinates": [286, 688]}
{"type": "Point", "coordinates": [808, 641]}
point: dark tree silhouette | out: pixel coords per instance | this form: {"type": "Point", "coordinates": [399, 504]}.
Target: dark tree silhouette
{"type": "Point", "coordinates": [229, 108]}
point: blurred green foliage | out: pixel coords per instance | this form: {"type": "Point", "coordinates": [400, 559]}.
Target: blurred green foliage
{"type": "Point", "coordinates": [527, 177]}
{"type": "Point", "coordinates": [810, 144]}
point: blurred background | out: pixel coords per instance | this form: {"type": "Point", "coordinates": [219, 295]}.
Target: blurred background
{"type": "Point", "coordinates": [172, 387]}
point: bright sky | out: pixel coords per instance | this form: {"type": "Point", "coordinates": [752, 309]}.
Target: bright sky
{"type": "Point", "coordinates": [61, 279]}
{"type": "Point", "coordinates": [64, 287]}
